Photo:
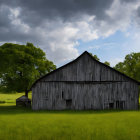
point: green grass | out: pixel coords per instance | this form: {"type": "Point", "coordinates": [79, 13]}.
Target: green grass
{"type": "Point", "coordinates": [10, 98]}
{"type": "Point", "coordinates": [18, 123]}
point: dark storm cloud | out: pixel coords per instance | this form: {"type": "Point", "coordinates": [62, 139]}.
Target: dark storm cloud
{"type": "Point", "coordinates": [55, 25]}
{"type": "Point", "coordinates": [36, 11]}
{"type": "Point", "coordinates": [131, 1]}
{"type": "Point", "coordinates": [4, 20]}
{"type": "Point", "coordinates": [138, 12]}
{"type": "Point", "coordinates": [137, 16]}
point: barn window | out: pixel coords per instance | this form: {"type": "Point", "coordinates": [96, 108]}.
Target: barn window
{"type": "Point", "coordinates": [69, 103]}
{"type": "Point", "coordinates": [111, 105]}
{"type": "Point", "coordinates": [62, 94]}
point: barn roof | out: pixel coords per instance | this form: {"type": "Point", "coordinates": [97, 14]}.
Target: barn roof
{"type": "Point", "coordinates": [78, 59]}
{"type": "Point", "coordinates": [23, 98]}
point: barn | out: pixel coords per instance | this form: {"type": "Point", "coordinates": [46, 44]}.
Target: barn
{"type": "Point", "coordinates": [85, 84]}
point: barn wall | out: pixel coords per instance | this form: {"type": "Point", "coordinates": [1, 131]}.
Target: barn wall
{"type": "Point", "coordinates": [84, 95]}
{"type": "Point", "coordinates": [85, 69]}
{"type": "Point", "coordinates": [84, 84]}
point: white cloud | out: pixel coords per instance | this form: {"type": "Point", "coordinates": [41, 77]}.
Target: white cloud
{"type": "Point", "coordinates": [59, 38]}
{"type": "Point", "coordinates": [15, 20]}
{"type": "Point", "coordinates": [114, 61]}
{"type": "Point", "coordinates": [119, 17]}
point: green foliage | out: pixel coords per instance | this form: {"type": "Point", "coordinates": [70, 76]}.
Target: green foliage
{"type": "Point", "coordinates": [130, 66]}
{"type": "Point", "coordinates": [21, 65]}
{"type": "Point", "coordinates": [95, 57]}
{"type": "Point", "coordinates": [107, 63]}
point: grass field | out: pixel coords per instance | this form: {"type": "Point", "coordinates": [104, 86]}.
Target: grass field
{"type": "Point", "coordinates": [10, 98]}
{"type": "Point", "coordinates": [18, 123]}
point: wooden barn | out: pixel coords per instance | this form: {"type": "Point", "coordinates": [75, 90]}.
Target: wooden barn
{"type": "Point", "coordinates": [84, 84]}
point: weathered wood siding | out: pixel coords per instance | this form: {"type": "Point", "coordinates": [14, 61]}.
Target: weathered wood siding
{"type": "Point", "coordinates": [84, 84]}
{"type": "Point", "coordinates": [85, 69]}
{"type": "Point", "coordinates": [48, 95]}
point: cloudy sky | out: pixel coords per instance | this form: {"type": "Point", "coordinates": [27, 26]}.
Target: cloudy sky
{"type": "Point", "coordinates": [66, 28]}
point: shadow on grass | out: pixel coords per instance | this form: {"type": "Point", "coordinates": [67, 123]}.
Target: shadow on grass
{"type": "Point", "coordinates": [22, 110]}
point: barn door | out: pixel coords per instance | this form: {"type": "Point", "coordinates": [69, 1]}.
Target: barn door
{"type": "Point", "coordinates": [68, 103]}
{"type": "Point", "coordinates": [120, 104]}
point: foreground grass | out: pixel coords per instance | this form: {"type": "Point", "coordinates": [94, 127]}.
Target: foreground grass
{"type": "Point", "coordinates": [18, 123]}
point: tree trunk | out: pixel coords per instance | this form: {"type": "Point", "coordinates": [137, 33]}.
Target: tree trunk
{"type": "Point", "coordinates": [26, 93]}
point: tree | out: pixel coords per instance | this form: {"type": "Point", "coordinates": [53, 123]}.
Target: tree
{"type": "Point", "coordinates": [130, 66]}
{"type": "Point", "coordinates": [95, 57]}
{"type": "Point", "coordinates": [21, 65]}
{"type": "Point", "coordinates": [107, 63]}
{"type": "Point", "coordinates": [120, 67]}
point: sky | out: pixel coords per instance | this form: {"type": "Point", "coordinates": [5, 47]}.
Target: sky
{"type": "Point", "coordinates": [66, 28]}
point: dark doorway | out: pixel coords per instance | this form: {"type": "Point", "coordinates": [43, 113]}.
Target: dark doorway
{"type": "Point", "coordinates": [111, 105]}
{"type": "Point", "coordinates": [68, 103]}
{"type": "Point", "coordinates": [120, 104]}
{"type": "Point", "coordinates": [117, 105]}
